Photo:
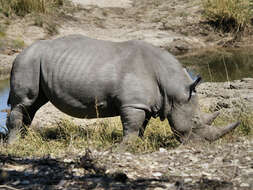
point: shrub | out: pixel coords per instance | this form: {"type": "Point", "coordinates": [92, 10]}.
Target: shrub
{"type": "Point", "coordinates": [228, 15]}
{"type": "Point", "coordinates": [23, 7]}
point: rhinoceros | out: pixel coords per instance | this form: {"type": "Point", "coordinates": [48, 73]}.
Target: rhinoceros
{"type": "Point", "coordinates": [90, 78]}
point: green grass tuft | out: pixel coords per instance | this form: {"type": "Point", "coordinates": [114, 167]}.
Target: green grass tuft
{"type": "Point", "coordinates": [18, 43]}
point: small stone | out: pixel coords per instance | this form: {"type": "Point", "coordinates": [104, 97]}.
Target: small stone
{"type": "Point", "coordinates": [170, 186]}
{"type": "Point", "coordinates": [205, 174]}
{"type": "Point", "coordinates": [183, 174]}
{"type": "Point", "coordinates": [67, 160]}
{"type": "Point", "coordinates": [244, 185]}
{"type": "Point", "coordinates": [157, 174]}
{"type": "Point", "coordinates": [205, 166]}
{"type": "Point", "coordinates": [162, 150]}
{"type": "Point", "coordinates": [16, 182]}
{"type": "Point", "coordinates": [158, 188]}
{"type": "Point", "coordinates": [187, 180]}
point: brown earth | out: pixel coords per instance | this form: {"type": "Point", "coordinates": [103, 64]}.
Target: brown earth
{"type": "Point", "coordinates": [201, 167]}
{"type": "Point", "coordinates": [175, 25]}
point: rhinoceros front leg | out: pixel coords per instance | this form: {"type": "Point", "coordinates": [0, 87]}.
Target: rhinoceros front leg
{"type": "Point", "coordinates": [134, 122]}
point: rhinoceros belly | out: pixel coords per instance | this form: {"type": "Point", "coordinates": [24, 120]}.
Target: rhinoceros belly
{"type": "Point", "coordinates": [82, 101]}
{"type": "Point", "coordinates": [81, 85]}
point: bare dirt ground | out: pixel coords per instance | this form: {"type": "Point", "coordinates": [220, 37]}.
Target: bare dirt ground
{"type": "Point", "coordinates": [105, 3]}
{"type": "Point", "coordinates": [174, 25]}
{"type": "Point", "coordinates": [202, 167]}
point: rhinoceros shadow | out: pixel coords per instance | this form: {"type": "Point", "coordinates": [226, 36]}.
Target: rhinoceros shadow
{"type": "Point", "coordinates": [49, 174]}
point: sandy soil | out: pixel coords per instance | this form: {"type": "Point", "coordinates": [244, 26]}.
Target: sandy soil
{"type": "Point", "coordinates": [104, 3]}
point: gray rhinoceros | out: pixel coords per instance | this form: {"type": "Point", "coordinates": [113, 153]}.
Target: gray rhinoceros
{"type": "Point", "coordinates": [89, 78]}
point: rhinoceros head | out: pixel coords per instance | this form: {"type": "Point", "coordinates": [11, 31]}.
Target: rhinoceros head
{"type": "Point", "coordinates": [189, 123]}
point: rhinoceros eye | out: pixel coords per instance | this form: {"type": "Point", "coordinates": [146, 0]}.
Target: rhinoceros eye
{"type": "Point", "coordinates": [192, 88]}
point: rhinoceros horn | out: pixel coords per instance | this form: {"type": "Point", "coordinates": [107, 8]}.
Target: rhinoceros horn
{"type": "Point", "coordinates": [209, 118]}
{"type": "Point", "coordinates": [210, 133]}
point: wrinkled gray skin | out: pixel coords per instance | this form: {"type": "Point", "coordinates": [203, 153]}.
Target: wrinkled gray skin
{"type": "Point", "coordinates": [88, 78]}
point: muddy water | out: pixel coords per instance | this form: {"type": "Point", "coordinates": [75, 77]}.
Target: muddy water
{"type": "Point", "coordinates": [221, 65]}
{"type": "Point", "coordinates": [4, 92]}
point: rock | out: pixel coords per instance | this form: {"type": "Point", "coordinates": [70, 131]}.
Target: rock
{"type": "Point", "coordinates": [67, 160]}
{"type": "Point", "coordinates": [162, 150]}
{"type": "Point", "coordinates": [245, 185]}
{"type": "Point", "coordinates": [187, 180]}
{"type": "Point", "coordinates": [157, 174]}
{"type": "Point", "coordinates": [158, 188]}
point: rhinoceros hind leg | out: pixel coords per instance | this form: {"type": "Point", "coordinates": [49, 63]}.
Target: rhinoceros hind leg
{"type": "Point", "coordinates": [144, 125]}
{"type": "Point", "coordinates": [134, 122]}
{"type": "Point", "coordinates": [22, 114]}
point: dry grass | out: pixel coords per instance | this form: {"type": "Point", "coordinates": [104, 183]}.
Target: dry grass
{"type": "Point", "coordinates": [66, 137]}
{"type": "Point", "coordinates": [23, 7]}
{"type": "Point", "coordinates": [245, 129]}
{"type": "Point", "coordinates": [228, 15]}
{"type": "Point", "coordinates": [48, 14]}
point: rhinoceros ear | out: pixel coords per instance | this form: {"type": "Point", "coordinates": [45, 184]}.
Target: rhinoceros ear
{"type": "Point", "coordinates": [193, 86]}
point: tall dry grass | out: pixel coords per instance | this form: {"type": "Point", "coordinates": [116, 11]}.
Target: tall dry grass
{"type": "Point", "coordinates": [23, 7]}
{"type": "Point", "coordinates": [228, 15]}
{"type": "Point", "coordinates": [68, 138]}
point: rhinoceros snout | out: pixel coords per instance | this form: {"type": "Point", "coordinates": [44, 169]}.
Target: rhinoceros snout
{"type": "Point", "coordinates": [200, 128]}
{"type": "Point", "coordinates": [208, 132]}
